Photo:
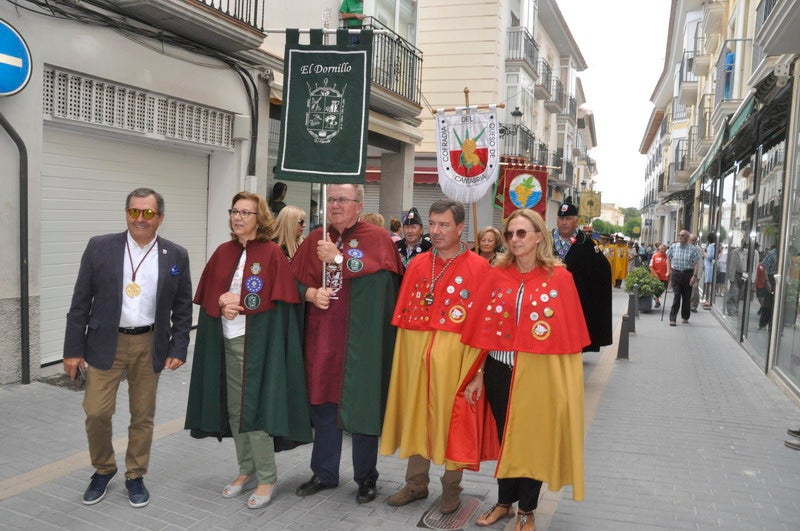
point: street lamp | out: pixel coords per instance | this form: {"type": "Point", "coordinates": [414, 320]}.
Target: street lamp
{"type": "Point", "coordinates": [511, 129]}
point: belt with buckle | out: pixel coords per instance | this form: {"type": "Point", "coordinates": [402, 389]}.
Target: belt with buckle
{"type": "Point", "coordinates": [136, 330]}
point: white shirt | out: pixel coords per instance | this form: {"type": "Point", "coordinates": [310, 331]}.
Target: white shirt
{"type": "Point", "coordinates": [236, 326]}
{"type": "Point", "coordinates": [139, 310]}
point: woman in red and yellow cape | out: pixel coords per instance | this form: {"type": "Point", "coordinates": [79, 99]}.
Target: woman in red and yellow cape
{"type": "Point", "coordinates": [529, 317]}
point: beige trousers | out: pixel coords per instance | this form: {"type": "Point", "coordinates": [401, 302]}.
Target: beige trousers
{"type": "Point", "coordinates": [134, 358]}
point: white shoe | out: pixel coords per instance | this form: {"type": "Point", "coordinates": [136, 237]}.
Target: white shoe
{"type": "Point", "coordinates": [257, 502]}
{"type": "Point", "coordinates": [231, 490]}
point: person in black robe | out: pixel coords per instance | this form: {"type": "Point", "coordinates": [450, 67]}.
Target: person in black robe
{"type": "Point", "coordinates": [591, 272]}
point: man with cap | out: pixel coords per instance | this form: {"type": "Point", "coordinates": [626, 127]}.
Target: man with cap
{"type": "Point", "coordinates": [590, 271]}
{"type": "Point", "coordinates": [412, 243]}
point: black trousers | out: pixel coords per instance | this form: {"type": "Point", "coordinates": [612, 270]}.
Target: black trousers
{"type": "Point", "coordinates": [682, 294]}
{"type": "Point", "coordinates": [497, 382]}
{"type": "Point", "coordinates": [327, 450]}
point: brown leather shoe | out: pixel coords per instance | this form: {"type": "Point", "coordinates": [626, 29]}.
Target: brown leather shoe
{"type": "Point", "coordinates": [407, 494]}
{"type": "Point", "coordinates": [497, 512]}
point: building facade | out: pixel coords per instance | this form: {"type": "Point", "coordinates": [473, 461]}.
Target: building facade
{"type": "Point", "coordinates": [722, 160]}
{"type": "Point", "coordinates": [180, 97]}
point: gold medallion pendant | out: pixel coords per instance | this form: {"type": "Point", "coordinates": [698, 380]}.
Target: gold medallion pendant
{"type": "Point", "coordinates": [133, 290]}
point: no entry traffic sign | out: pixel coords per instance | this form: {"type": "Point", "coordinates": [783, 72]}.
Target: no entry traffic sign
{"type": "Point", "coordinates": [15, 60]}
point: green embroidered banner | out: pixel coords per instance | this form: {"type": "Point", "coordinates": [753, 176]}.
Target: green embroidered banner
{"type": "Point", "coordinates": [325, 108]}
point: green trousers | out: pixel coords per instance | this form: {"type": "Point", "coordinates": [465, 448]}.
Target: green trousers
{"type": "Point", "coordinates": [255, 450]}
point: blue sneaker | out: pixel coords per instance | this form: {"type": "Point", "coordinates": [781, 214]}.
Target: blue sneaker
{"type": "Point", "coordinates": [137, 492]}
{"type": "Point", "coordinates": [97, 488]}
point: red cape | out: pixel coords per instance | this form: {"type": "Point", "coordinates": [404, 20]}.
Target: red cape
{"type": "Point", "coordinates": [265, 261]}
{"type": "Point", "coordinates": [550, 320]}
{"type": "Point", "coordinates": [454, 293]}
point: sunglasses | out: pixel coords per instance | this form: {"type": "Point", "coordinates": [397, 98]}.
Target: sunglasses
{"type": "Point", "coordinates": [519, 233]}
{"type": "Point", "coordinates": [302, 223]}
{"type": "Point", "coordinates": [147, 213]}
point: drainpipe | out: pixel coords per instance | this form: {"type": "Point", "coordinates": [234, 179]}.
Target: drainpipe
{"type": "Point", "coordinates": [24, 298]}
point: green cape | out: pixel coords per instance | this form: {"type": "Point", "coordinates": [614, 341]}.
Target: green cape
{"type": "Point", "coordinates": [274, 394]}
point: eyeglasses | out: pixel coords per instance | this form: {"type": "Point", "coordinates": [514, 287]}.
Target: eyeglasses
{"type": "Point", "coordinates": [302, 223]}
{"type": "Point", "coordinates": [521, 234]}
{"type": "Point", "coordinates": [147, 213]}
{"type": "Point", "coordinates": [341, 200]}
{"type": "Point", "coordinates": [244, 213]}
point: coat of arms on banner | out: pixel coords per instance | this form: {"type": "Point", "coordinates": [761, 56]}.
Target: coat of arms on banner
{"type": "Point", "coordinates": [325, 111]}
{"type": "Point", "coordinates": [467, 152]}
{"type": "Point", "coordinates": [522, 187]}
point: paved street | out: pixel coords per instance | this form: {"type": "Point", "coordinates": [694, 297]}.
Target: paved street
{"type": "Point", "coordinates": [687, 434]}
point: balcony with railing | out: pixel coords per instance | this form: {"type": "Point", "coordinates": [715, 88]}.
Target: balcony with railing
{"type": "Point", "coordinates": [396, 68]}
{"type": "Point", "coordinates": [778, 26]}
{"type": "Point", "coordinates": [556, 101]}
{"type": "Point", "coordinates": [522, 49]}
{"type": "Point", "coordinates": [679, 110]}
{"type": "Point", "coordinates": [541, 154]}
{"type": "Point", "coordinates": [224, 25]}
{"type": "Point", "coordinates": [679, 167]}
{"type": "Point", "coordinates": [543, 85]}
{"type": "Point", "coordinates": [517, 141]}
{"type": "Point", "coordinates": [728, 68]}
{"type": "Point", "coordinates": [688, 85]}
{"type": "Point", "coordinates": [570, 111]}
{"type": "Point", "coordinates": [704, 126]}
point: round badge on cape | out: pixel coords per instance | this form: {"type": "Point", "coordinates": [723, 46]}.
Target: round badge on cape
{"type": "Point", "coordinates": [254, 284]}
{"type": "Point", "coordinates": [355, 265]}
{"type": "Point", "coordinates": [541, 330]}
{"type": "Point", "coordinates": [355, 253]}
{"type": "Point", "coordinates": [255, 268]}
{"type": "Point", "coordinates": [457, 314]}
{"type": "Point", "coordinates": [252, 301]}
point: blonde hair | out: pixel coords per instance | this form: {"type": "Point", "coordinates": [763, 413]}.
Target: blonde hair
{"type": "Point", "coordinates": [265, 222]}
{"type": "Point", "coordinates": [374, 218]}
{"type": "Point", "coordinates": [286, 228]}
{"type": "Point", "coordinates": [498, 239]}
{"type": "Point", "coordinates": [544, 250]}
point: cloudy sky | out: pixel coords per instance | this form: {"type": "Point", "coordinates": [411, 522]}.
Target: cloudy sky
{"type": "Point", "coordinates": [623, 43]}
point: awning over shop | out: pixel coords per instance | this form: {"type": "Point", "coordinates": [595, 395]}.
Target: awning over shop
{"type": "Point", "coordinates": [422, 175]}
{"type": "Point", "coordinates": [711, 155]}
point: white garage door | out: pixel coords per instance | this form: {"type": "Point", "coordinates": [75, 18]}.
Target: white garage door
{"type": "Point", "coordinates": [85, 180]}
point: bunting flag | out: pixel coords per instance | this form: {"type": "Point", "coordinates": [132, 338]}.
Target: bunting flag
{"type": "Point", "coordinates": [325, 109]}
{"type": "Point", "coordinates": [467, 154]}
{"type": "Point", "coordinates": [523, 187]}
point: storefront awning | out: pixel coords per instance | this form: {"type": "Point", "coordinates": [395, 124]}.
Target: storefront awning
{"type": "Point", "coordinates": [711, 155]}
{"type": "Point", "coordinates": [422, 175]}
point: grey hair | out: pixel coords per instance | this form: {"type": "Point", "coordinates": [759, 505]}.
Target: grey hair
{"type": "Point", "coordinates": [146, 192]}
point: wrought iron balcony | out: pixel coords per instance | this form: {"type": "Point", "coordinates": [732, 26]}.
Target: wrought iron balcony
{"type": "Point", "coordinates": [522, 48]}
{"type": "Point", "coordinates": [543, 85]}
{"type": "Point", "coordinates": [517, 141]}
{"type": "Point", "coordinates": [688, 80]}
{"type": "Point", "coordinates": [225, 25]}
{"type": "Point", "coordinates": [396, 65]}
{"type": "Point", "coordinates": [556, 101]}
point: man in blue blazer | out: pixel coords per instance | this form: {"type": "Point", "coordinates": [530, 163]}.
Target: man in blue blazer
{"type": "Point", "coordinates": [131, 314]}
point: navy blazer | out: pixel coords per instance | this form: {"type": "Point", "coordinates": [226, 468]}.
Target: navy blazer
{"type": "Point", "coordinates": [94, 315]}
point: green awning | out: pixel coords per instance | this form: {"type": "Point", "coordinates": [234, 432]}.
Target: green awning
{"type": "Point", "coordinates": [741, 116]}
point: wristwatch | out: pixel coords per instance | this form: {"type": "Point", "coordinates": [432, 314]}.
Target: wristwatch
{"type": "Point", "coordinates": [338, 259]}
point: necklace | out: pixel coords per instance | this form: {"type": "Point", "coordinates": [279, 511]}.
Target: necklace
{"type": "Point", "coordinates": [434, 277]}
{"type": "Point", "coordinates": [133, 289]}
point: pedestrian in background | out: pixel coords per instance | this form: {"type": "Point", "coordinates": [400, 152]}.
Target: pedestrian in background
{"type": "Point", "coordinates": [590, 271]}
{"type": "Point", "coordinates": [659, 268]}
{"type": "Point", "coordinates": [683, 263]}
{"type": "Point", "coordinates": [130, 317]}
{"type": "Point", "coordinates": [694, 301]}
{"type": "Point", "coordinates": [413, 242]}
{"type": "Point", "coordinates": [533, 376]}
{"type": "Point", "coordinates": [489, 244]}
{"type": "Point", "coordinates": [289, 227]}
{"type": "Point", "coordinates": [248, 352]}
